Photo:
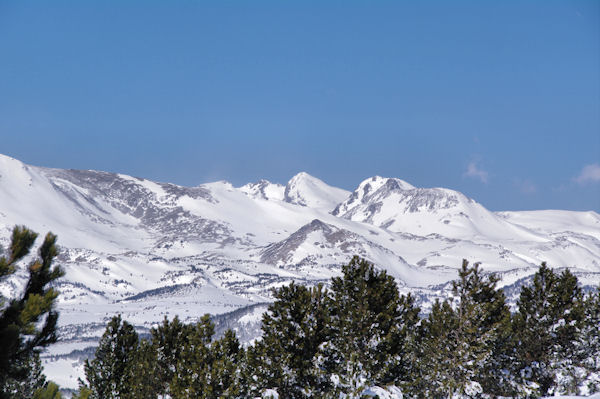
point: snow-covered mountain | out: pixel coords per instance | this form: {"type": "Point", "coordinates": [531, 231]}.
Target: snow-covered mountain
{"type": "Point", "coordinates": [397, 206]}
{"type": "Point", "coordinates": [147, 249]}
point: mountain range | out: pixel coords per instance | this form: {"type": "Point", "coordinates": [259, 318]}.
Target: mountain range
{"type": "Point", "coordinates": [147, 249]}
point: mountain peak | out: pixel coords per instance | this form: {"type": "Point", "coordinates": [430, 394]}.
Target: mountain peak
{"type": "Point", "coordinates": [14, 171]}
{"type": "Point", "coordinates": [303, 176]}
{"type": "Point", "coordinates": [7, 158]}
{"type": "Point", "coordinates": [391, 182]}
{"type": "Point", "coordinates": [264, 189]}
{"type": "Point", "coordinates": [7, 163]}
{"type": "Point", "coordinates": [366, 189]}
{"type": "Point", "coordinates": [306, 190]}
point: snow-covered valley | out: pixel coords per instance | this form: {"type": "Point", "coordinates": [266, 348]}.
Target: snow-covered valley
{"type": "Point", "coordinates": [148, 250]}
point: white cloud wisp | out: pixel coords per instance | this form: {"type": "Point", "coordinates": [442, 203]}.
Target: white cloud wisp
{"type": "Point", "coordinates": [589, 174]}
{"type": "Point", "coordinates": [477, 173]}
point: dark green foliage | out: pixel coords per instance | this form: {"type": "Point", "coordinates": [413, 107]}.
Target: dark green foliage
{"type": "Point", "coordinates": [434, 372]}
{"type": "Point", "coordinates": [227, 354]}
{"type": "Point", "coordinates": [461, 349]}
{"type": "Point", "coordinates": [143, 377]}
{"type": "Point", "coordinates": [206, 370]}
{"type": "Point", "coordinates": [27, 323]}
{"type": "Point", "coordinates": [50, 391]}
{"type": "Point", "coordinates": [475, 324]}
{"type": "Point", "coordinates": [568, 311]}
{"type": "Point", "coordinates": [547, 324]}
{"type": "Point", "coordinates": [294, 328]}
{"type": "Point", "coordinates": [168, 341]}
{"type": "Point", "coordinates": [587, 347]}
{"type": "Point", "coordinates": [191, 378]}
{"type": "Point", "coordinates": [180, 361]}
{"type": "Point", "coordinates": [576, 362]}
{"type": "Point", "coordinates": [123, 367]}
{"type": "Point", "coordinates": [32, 380]}
{"type": "Point", "coordinates": [483, 334]}
{"type": "Point", "coordinates": [109, 374]}
{"type": "Point", "coordinates": [400, 368]}
{"type": "Point", "coordinates": [369, 323]}
{"type": "Point", "coordinates": [532, 327]}
{"type": "Point", "coordinates": [83, 393]}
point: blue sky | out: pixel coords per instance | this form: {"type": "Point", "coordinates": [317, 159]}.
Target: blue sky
{"type": "Point", "coordinates": [499, 100]}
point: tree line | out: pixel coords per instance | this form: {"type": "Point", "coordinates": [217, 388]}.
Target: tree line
{"type": "Point", "coordinates": [336, 342]}
{"type": "Point", "coordinates": [324, 342]}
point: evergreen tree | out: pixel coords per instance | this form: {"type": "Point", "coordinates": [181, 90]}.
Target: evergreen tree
{"type": "Point", "coordinates": [464, 344]}
{"type": "Point", "coordinates": [205, 369]}
{"type": "Point", "coordinates": [367, 321]}
{"type": "Point", "coordinates": [33, 380]}
{"type": "Point", "coordinates": [568, 313]}
{"type": "Point", "coordinates": [20, 320]}
{"type": "Point", "coordinates": [227, 355]}
{"type": "Point", "coordinates": [483, 335]}
{"type": "Point", "coordinates": [472, 338]}
{"type": "Point", "coordinates": [287, 356]}
{"type": "Point", "coordinates": [579, 368]}
{"type": "Point", "coordinates": [548, 323]}
{"type": "Point", "coordinates": [109, 374]}
{"type": "Point", "coordinates": [400, 367]}
{"type": "Point", "coordinates": [589, 343]}
{"type": "Point", "coordinates": [434, 374]}
{"type": "Point", "coordinates": [168, 341]}
{"type": "Point", "coordinates": [144, 382]}
{"type": "Point", "coordinates": [532, 325]}
{"type": "Point", "coordinates": [191, 379]}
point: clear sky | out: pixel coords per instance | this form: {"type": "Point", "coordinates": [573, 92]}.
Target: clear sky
{"type": "Point", "coordinates": [499, 100]}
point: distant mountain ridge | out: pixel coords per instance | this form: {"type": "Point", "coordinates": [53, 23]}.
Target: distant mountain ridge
{"type": "Point", "coordinates": [147, 249]}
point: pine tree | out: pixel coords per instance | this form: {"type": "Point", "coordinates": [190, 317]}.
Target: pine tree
{"type": "Point", "coordinates": [577, 364]}
{"type": "Point", "coordinates": [294, 328]}
{"type": "Point", "coordinates": [434, 374]}
{"type": "Point", "coordinates": [484, 330]}
{"type": "Point", "coordinates": [400, 367]}
{"type": "Point", "coordinates": [33, 380]}
{"type": "Point", "coordinates": [367, 320]}
{"type": "Point", "coordinates": [548, 323]}
{"type": "Point", "coordinates": [206, 369]}
{"type": "Point", "coordinates": [193, 362]}
{"type": "Point", "coordinates": [473, 335]}
{"type": "Point", "coordinates": [588, 344]}
{"type": "Point", "coordinates": [20, 334]}
{"type": "Point", "coordinates": [109, 374]}
{"type": "Point", "coordinates": [143, 381]}
{"type": "Point", "coordinates": [225, 370]}
{"type": "Point", "coordinates": [168, 340]}
{"type": "Point", "coordinates": [568, 313]}
{"type": "Point", "coordinates": [532, 327]}
{"type": "Point", "coordinates": [462, 343]}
